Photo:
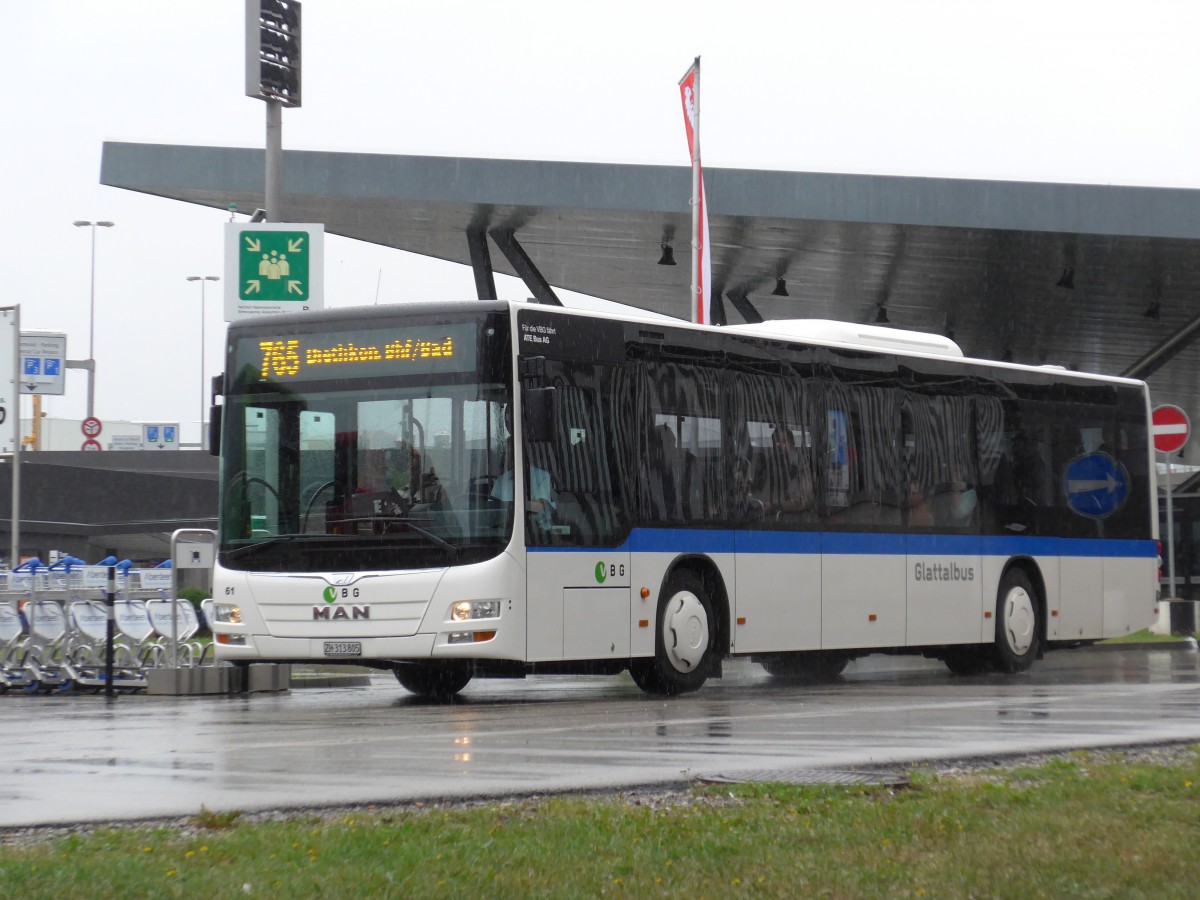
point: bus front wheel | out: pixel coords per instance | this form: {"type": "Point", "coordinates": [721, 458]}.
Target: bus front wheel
{"type": "Point", "coordinates": [683, 641]}
{"type": "Point", "coordinates": [1018, 626]}
{"type": "Point", "coordinates": [435, 682]}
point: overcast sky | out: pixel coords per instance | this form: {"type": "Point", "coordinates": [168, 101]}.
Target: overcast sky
{"type": "Point", "coordinates": [1053, 90]}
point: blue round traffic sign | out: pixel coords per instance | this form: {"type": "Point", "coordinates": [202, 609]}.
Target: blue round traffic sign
{"type": "Point", "coordinates": [1097, 485]}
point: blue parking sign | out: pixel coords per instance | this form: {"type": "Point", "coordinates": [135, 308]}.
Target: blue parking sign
{"type": "Point", "coordinates": [152, 433]}
{"type": "Point", "coordinates": [169, 434]}
{"type": "Point", "coordinates": [33, 365]}
{"type": "Point", "coordinates": [53, 366]}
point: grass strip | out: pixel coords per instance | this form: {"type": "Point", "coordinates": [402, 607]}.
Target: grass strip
{"type": "Point", "coordinates": [1089, 824]}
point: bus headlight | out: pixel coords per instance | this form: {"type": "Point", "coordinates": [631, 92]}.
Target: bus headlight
{"type": "Point", "coordinates": [228, 613]}
{"type": "Point", "coordinates": [465, 610]}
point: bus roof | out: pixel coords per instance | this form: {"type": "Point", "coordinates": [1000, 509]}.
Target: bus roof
{"type": "Point", "coordinates": [850, 334]}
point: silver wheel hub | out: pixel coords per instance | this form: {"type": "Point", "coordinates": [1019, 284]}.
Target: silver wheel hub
{"type": "Point", "coordinates": [685, 631]}
{"type": "Point", "coordinates": [1020, 619]}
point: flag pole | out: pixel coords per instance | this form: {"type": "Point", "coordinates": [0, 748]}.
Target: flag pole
{"type": "Point", "coordinates": [697, 247]}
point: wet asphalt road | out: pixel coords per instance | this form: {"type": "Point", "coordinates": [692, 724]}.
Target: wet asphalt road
{"type": "Point", "coordinates": [79, 758]}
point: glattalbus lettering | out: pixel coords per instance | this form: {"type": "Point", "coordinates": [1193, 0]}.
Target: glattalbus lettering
{"type": "Point", "coordinates": [940, 572]}
{"type": "Point", "coordinates": [340, 612]}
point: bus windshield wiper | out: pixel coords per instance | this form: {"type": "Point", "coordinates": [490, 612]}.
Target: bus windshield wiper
{"type": "Point", "coordinates": [263, 544]}
{"type": "Point", "coordinates": [424, 532]}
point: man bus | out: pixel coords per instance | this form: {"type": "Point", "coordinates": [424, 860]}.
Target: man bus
{"type": "Point", "coordinates": [971, 511]}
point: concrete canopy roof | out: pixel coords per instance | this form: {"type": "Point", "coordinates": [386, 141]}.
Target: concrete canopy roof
{"type": "Point", "coordinates": [1039, 273]}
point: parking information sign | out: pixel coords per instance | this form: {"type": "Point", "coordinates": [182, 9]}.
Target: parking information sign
{"type": "Point", "coordinates": [160, 437]}
{"type": "Point", "coordinates": [273, 267]}
{"type": "Point", "coordinates": [43, 363]}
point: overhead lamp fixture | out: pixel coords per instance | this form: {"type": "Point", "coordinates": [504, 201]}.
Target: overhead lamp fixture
{"type": "Point", "coordinates": [1066, 279]}
{"type": "Point", "coordinates": [668, 255]}
{"type": "Point", "coordinates": [780, 287]}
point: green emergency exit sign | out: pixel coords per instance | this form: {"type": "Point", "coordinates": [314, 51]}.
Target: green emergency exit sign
{"type": "Point", "coordinates": [273, 266]}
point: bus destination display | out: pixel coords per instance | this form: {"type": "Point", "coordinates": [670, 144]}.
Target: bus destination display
{"type": "Point", "coordinates": [415, 350]}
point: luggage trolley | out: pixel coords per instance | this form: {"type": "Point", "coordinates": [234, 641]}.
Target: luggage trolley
{"type": "Point", "coordinates": [13, 634]}
{"type": "Point", "coordinates": [44, 647]}
{"type": "Point", "coordinates": [85, 660]}
{"type": "Point", "coordinates": [189, 653]}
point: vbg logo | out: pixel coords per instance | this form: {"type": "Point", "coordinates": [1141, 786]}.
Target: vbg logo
{"type": "Point", "coordinates": [333, 594]}
{"type": "Point", "coordinates": [606, 571]}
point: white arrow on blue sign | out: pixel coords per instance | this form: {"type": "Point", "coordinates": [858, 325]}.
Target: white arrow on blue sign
{"type": "Point", "coordinates": [1097, 485]}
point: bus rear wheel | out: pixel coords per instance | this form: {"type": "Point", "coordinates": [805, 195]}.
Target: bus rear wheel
{"type": "Point", "coordinates": [683, 642]}
{"type": "Point", "coordinates": [1018, 625]}
{"type": "Point", "coordinates": [436, 682]}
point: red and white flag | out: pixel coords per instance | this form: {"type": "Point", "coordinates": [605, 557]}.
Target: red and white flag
{"type": "Point", "coordinates": [689, 93]}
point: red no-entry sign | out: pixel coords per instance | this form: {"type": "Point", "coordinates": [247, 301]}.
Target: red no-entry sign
{"type": "Point", "coordinates": [1170, 427]}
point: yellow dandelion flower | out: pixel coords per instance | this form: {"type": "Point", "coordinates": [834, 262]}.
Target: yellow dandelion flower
{"type": "Point", "coordinates": [171, 873]}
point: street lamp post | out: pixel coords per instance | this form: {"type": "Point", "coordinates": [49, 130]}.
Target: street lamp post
{"type": "Point", "coordinates": [203, 393]}
{"type": "Point", "coordinates": [91, 398]}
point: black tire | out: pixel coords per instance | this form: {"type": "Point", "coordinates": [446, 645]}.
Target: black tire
{"type": "Point", "coordinates": [814, 667]}
{"type": "Point", "coordinates": [436, 682]}
{"type": "Point", "coordinates": [1018, 622]}
{"type": "Point", "coordinates": [684, 641]}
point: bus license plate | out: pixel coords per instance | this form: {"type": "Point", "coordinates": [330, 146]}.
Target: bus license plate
{"type": "Point", "coordinates": [343, 648]}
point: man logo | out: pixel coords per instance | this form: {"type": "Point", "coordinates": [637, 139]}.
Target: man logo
{"type": "Point", "coordinates": [333, 614]}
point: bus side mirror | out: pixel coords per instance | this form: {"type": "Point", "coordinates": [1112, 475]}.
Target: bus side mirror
{"type": "Point", "coordinates": [217, 389]}
{"type": "Point", "coordinates": [540, 407]}
{"type": "Point", "coordinates": [214, 429]}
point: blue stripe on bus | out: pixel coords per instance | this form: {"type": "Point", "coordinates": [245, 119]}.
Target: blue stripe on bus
{"type": "Point", "coordinates": [687, 540]}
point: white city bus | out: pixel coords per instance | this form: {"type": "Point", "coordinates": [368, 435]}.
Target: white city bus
{"type": "Point", "coordinates": [798, 493]}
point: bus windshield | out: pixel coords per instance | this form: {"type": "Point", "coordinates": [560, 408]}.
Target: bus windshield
{"type": "Point", "coordinates": [364, 472]}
